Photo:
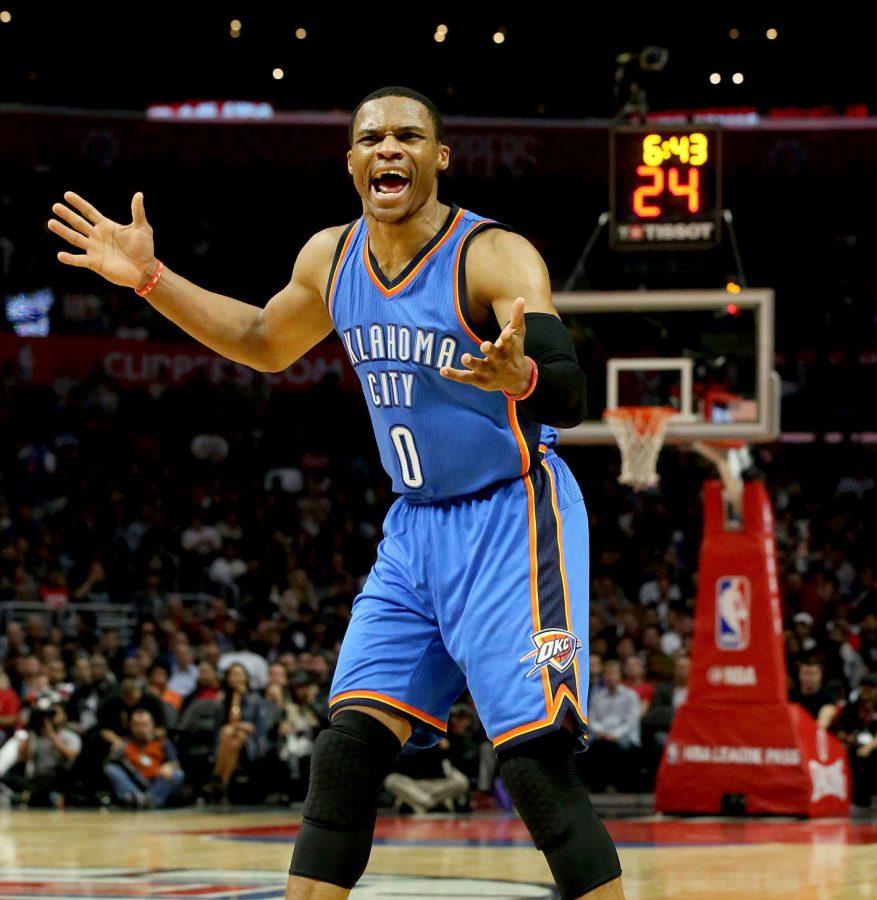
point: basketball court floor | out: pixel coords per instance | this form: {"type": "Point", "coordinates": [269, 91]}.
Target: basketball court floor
{"type": "Point", "coordinates": [210, 854]}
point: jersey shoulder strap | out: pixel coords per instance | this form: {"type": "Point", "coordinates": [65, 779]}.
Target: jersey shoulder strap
{"type": "Point", "coordinates": [341, 250]}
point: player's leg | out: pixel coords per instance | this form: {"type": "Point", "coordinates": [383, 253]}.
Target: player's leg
{"type": "Point", "coordinates": [394, 681]}
{"type": "Point", "coordinates": [517, 622]}
{"type": "Point", "coordinates": [552, 800]}
{"type": "Point", "coordinates": [350, 761]}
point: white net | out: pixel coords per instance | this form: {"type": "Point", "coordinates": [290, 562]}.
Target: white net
{"type": "Point", "coordinates": [639, 431]}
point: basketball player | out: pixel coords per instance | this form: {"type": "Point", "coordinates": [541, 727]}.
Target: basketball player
{"type": "Point", "coordinates": [482, 575]}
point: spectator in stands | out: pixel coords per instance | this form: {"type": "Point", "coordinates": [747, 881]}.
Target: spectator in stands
{"type": "Point", "coordinates": [242, 727]}
{"type": "Point", "coordinates": [13, 644]}
{"type": "Point", "coordinates": [93, 582]}
{"type": "Point", "coordinates": [856, 726]}
{"type": "Point", "coordinates": [607, 596]}
{"type": "Point", "coordinates": [110, 647]}
{"type": "Point", "coordinates": [595, 671]}
{"type": "Point", "coordinates": [864, 593]}
{"type": "Point", "coordinates": [35, 763]}
{"type": "Point", "coordinates": [868, 641]}
{"type": "Point", "coordinates": [35, 633]}
{"type": "Point", "coordinates": [114, 714]}
{"type": "Point", "coordinates": [80, 672]}
{"type": "Point", "coordinates": [659, 666]}
{"type": "Point", "coordinates": [208, 686]}
{"type": "Point", "coordinates": [200, 539]}
{"type": "Point", "coordinates": [23, 588]}
{"type": "Point", "coordinates": [614, 716]}
{"type": "Point", "coordinates": [229, 527]}
{"type": "Point", "coordinates": [158, 686]}
{"type": "Point", "coordinates": [279, 675]}
{"type": "Point", "coordinates": [56, 672]}
{"type": "Point", "coordinates": [680, 627]}
{"type": "Point", "coordinates": [422, 780]}
{"type": "Point", "coordinates": [53, 590]}
{"type": "Point", "coordinates": [31, 677]}
{"type": "Point", "coordinates": [660, 592]}
{"type": "Point", "coordinates": [819, 594]}
{"type": "Point", "coordinates": [466, 749]}
{"type": "Point", "coordinates": [227, 569]}
{"type": "Point", "coordinates": [102, 677]}
{"type": "Point", "coordinates": [843, 665]}
{"type": "Point", "coordinates": [183, 670]}
{"type": "Point", "coordinates": [134, 667]}
{"type": "Point", "coordinates": [298, 730]}
{"type": "Point", "coordinates": [668, 697]}
{"type": "Point", "coordinates": [299, 592]}
{"type": "Point", "coordinates": [624, 648]}
{"type": "Point", "coordinates": [87, 696]}
{"type": "Point", "coordinates": [143, 769]}
{"type": "Point", "coordinates": [811, 693]}
{"type": "Point", "coordinates": [635, 678]}
{"type": "Point", "coordinates": [803, 629]}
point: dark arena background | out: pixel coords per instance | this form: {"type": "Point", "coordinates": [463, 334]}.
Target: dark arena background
{"type": "Point", "coordinates": [177, 530]}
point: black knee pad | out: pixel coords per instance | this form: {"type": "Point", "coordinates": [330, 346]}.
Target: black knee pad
{"type": "Point", "coordinates": [551, 799]}
{"type": "Point", "coordinates": [350, 761]}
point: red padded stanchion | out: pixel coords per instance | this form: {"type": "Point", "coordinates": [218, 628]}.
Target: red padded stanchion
{"type": "Point", "coordinates": [737, 734]}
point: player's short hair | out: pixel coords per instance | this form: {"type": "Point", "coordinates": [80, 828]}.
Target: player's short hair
{"type": "Point", "coordinates": [396, 90]}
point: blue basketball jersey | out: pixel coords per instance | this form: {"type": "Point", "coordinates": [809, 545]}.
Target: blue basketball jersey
{"type": "Point", "coordinates": [437, 438]}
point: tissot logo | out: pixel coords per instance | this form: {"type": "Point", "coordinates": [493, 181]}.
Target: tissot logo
{"type": "Point", "coordinates": [666, 232]}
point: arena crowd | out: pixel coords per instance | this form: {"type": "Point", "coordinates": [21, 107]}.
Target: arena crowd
{"type": "Point", "coordinates": [229, 531]}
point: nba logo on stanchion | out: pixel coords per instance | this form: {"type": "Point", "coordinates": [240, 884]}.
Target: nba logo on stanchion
{"type": "Point", "coordinates": [733, 612]}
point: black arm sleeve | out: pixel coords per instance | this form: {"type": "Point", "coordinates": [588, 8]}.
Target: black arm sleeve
{"type": "Point", "coordinates": [560, 398]}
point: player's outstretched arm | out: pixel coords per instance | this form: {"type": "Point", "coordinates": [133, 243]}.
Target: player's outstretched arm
{"type": "Point", "coordinates": [268, 339]}
{"type": "Point", "coordinates": [533, 360]}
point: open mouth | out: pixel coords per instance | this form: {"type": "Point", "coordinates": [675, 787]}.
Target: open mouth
{"type": "Point", "coordinates": [390, 183]}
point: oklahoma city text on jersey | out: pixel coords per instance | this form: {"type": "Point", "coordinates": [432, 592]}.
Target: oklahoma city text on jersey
{"type": "Point", "coordinates": [389, 341]}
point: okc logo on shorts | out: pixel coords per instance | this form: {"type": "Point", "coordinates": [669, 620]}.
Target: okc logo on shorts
{"type": "Point", "coordinates": [733, 605]}
{"type": "Point", "coordinates": [554, 647]}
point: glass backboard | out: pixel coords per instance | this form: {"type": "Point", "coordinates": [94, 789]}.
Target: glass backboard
{"type": "Point", "coordinates": [707, 354]}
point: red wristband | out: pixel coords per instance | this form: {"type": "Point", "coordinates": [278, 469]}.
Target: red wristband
{"type": "Point", "coordinates": [534, 377]}
{"type": "Point", "coordinates": [156, 275]}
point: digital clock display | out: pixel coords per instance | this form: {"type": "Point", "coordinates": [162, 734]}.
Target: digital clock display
{"type": "Point", "coordinates": [665, 187]}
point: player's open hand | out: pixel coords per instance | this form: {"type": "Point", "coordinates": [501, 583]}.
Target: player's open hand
{"type": "Point", "coordinates": [503, 366]}
{"type": "Point", "coordinates": [123, 254]}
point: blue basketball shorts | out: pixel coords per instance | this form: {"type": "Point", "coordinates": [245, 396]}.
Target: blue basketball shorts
{"type": "Point", "coordinates": [489, 590]}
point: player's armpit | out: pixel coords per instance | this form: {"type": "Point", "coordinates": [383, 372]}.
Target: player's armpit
{"type": "Point", "coordinates": [295, 319]}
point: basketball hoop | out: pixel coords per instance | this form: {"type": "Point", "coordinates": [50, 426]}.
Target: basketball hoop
{"type": "Point", "coordinates": [639, 432]}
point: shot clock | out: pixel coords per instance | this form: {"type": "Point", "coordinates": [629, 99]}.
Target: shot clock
{"type": "Point", "coordinates": [665, 187]}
